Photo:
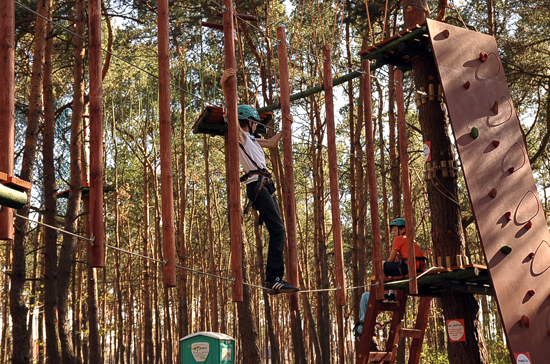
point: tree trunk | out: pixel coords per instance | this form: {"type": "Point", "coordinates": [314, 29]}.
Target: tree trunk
{"type": "Point", "coordinates": [148, 352]}
{"type": "Point", "coordinates": [18, 308]}
{"type": "Point", "coordinates": [447, 233]}
{"type": "Point", "coordinates": [248, 330]}
{"type": "Point", "coordinates": [323, 317]}
{"type": "Point", "coordinates": [68, 251]}
{"type": "Point", "coordinates": [50, 207]}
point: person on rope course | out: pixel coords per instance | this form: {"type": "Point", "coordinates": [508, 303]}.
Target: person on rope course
{"type": "Point", "coordinates": [396, 265]}
{"type": "Point", "coordinates": [260, 190]}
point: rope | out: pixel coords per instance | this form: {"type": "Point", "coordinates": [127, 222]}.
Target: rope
{"type": "Point", "coordinates": [163, 262]}
{"type": "Point", "coordinates": [55, 228]}
{"type": "Point", "coordinates": [108, 52]}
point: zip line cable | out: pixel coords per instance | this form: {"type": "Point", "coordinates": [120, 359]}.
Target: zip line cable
{"type": "Point", "coordinates": [109, 52]}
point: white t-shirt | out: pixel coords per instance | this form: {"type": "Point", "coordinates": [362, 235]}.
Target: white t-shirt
{"type": "Point", "coordinates": [255, 151]}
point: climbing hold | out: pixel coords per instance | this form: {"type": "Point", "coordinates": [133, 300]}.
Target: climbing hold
{"type": "Point", "coordinates": [493, 193]}
{"type": "Point", "coordinates": [467, 85]}
{"type": "Point", "coordinates": [446, 33]}
{"type": "Point", "coordinates": [511, 170]}
{"type": "Point", "coordinates": [506, 249]}
{"type": "Point", "coordinates": [496, 143]}
{"type": "Point", "coordinates": [474, 133]}
{"type": "Point", "coordinates": [531, 292]}
{"type": "Point", "coordinates": [529, 225]}
{"type": "Point", "coordinates": [495, 107]}
{"type": "Point", "coordinates": [525, 321]}
{"type": "Point", "coordinates": [509, 215]}
{"type": "Point", "coordinates": [483, 57]}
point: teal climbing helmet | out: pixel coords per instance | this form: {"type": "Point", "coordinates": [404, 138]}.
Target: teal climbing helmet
{"type": "Point", "coordinates": [247, 112]}
{"type": "Point", "coordinates": [399, 222]}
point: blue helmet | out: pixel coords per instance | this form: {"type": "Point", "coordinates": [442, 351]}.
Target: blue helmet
{"type": "Point", "coordinates": [399, 222]}
{"type": "Point", "coordinates": [247, 112]}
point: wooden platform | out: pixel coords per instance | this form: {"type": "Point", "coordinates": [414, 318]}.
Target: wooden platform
{"type": "Point", "coordinates": [211, 121]}
{"type": "Point", "coordinates": [400, 49]}
{"type": "Point", "coordinates": [85, 191]}
{"type": "Point", "coordinates": [472, 278]}
{"type": "Point", "coordinates": [14, 182]}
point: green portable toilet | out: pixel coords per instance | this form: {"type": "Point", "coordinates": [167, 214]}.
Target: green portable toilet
{"type": "Point", "coordinates": [207, 348]}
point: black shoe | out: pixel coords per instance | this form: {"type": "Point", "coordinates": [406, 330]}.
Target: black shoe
{"type": "Point", "coordinates": [280, 286]}
{"type": "Point", "coordinates": [386, 298]}
{"type": "Point", "coordinates": [391, 298]}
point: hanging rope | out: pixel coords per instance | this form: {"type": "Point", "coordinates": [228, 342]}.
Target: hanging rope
{"type": "Point", "coordinates": [370, 25]}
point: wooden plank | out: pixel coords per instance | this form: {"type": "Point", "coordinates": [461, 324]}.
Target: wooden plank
{"type": "Point", "coordinates": [379, 356]}
{"type": "Point", "coordinates": [414, 333]}
{"type": "Point", "coordinates": [17, 183]}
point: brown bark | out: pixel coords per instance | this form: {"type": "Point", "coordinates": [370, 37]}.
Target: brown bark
{"type": "Point", "coordinates": [7, 106]}
{"type": "Point", "coordinates": [321, 266]}
{"type": "Point", "coordinates": [50, 209]}
{"type": "Point", "coordinates": [447, 233]}
{"type": "Point", "coordinates": [18, 308]}
{"type": "Point", "coordinates": [148, 350]}
{"type": "Point", "coordinates": [183, 322]}
{"type": "Point", "coordinates": [67, 252]}
{"type": "Point", "coordinates": [247, 326]}
{"type": "Point", "coordinates": [395, 175]}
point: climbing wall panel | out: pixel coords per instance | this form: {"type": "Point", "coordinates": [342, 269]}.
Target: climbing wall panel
{"type": "Point", "coordinates": [500, 182]}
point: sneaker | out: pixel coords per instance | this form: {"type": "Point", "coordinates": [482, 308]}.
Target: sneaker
{"type": "Point", "coordinates": [386, 298]}
{"type": "Point", "coordinates": [280, 286]}
{"type": "Point", "coordinates": [391, 298]}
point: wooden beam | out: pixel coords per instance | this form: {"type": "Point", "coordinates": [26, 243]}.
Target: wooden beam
{"type": "Point", "coordinates": [373, 191]}
{"type": "Point", "coordinates": [333, 177]}
{"type": "Point", "coordinates": [290, 200]}
{"type": "Point", "coordinates": [165, 126]}
{"type": "Point", "coordinates": [7, 107]}
{"type": "Point", "coordinates": [232, 156]}
{"type": "Point", "coordinates": [96, 135]}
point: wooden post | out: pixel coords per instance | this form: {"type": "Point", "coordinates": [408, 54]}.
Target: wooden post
{"type": "Point", "coordinates": [7, 108]}
{"type": "Point", "coordinates": [373, 191]}
{"type": "Point", "coordinates": [290, 200]}
{"type": "Point", "coordinates": [96, 135]}
{"type": "Point", "coordinates": [333, 174]}
{"type": "Point", "coordinates": [165, 124]}
{"type": "Point", "coordinates": [407, 203]}
{"type": "Point", "coordinates": [232, 156]}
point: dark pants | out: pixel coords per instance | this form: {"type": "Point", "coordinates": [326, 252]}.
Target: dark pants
{"type": "Point", "coordinates": [394, 269]}
{"type": "Point", "coordinates": [267, 206]}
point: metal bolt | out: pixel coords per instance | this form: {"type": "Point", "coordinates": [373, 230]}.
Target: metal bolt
{"type": "Point", "coordinates": [446, 33]}
{"type": "Point", "coordinates": [493, 193]}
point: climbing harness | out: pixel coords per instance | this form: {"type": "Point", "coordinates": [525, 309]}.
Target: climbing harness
{"type": "Point", "coordinates": [264, 180]}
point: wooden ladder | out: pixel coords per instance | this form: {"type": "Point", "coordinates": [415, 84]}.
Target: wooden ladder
{"type": "Point", "coordinates": [364, 355]}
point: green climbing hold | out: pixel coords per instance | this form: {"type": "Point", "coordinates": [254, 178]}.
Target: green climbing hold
{"type": "Point", "coordinates": [506, 249]}
{"type": "Point", "coordinates": [474, 133]}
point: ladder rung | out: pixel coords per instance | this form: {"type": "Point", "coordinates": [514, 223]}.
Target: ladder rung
{"type": "Point", "coordinates": [379, 356]}
{"type": "Point", "coordinates": [414, 333]}
{"type": "Point", "coordinates": [388, 307]}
